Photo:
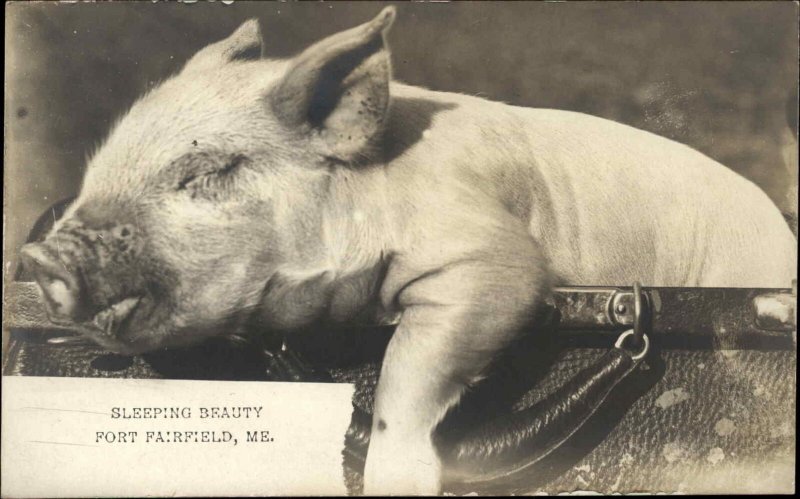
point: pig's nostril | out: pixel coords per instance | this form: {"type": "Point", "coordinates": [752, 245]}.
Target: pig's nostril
{"type": "Point", "coordinates": [122, 231]}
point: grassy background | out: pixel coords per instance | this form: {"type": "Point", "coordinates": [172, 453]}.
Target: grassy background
{"type": "Point", "coordinates": [713, 75]}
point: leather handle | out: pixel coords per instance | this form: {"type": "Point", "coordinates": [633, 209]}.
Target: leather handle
{"type": "Point", "coordinates": [519, 440]}
{"type": "Point", "coordinates": [512, 443]}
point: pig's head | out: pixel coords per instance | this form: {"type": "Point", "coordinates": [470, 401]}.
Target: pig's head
{"type": "Point", "coordinates": [209, 185]}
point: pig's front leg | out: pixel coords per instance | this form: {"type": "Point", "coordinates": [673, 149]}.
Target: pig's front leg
{"type": "Point", "coordinates": [455, 320]}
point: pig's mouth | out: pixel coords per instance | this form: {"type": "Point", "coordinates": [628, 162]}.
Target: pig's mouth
{"type": "Point", "coordinates": [123, 327]}
{"type": "Point", "coordinates": [107, 326]}
{"type": "Point", "coordinates": [115, 318]}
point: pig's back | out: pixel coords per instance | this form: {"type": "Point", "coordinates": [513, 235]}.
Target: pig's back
{"type": "Point", "coordinates": [610, 203]}
{"type": "Point", "coordinates": [656, 205]}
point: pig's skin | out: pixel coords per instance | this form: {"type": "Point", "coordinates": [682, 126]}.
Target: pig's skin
{"type": "Point", "coordinates": [457, 212]}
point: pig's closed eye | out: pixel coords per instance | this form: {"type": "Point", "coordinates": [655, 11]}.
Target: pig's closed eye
{"type": "Point", "coordinates": [212, 178]}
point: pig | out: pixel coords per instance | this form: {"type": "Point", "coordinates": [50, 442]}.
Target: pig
{"type": "Point", "coordinates": [283, 193]}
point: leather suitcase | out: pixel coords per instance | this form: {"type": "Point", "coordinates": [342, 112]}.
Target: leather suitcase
{"type": "Point", "coordinates": [687, 420]}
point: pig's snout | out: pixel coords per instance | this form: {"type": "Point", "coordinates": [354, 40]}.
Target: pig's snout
{"type": "Point", "coordinates": [61, 287]}
{"type": "Point", "coordinates": [89, 274]}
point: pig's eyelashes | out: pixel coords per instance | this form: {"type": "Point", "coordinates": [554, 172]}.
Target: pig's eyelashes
{"type": "Point", "coordinates": [209, 179]}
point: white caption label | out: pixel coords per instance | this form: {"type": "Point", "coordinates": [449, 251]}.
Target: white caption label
{"type": "Point", "coordinates": [80, 437]}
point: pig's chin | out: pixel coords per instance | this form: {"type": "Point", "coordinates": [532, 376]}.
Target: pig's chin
{"type": "Point", "coordinates": [126, 326]}
{"type": "Point", "coordinates": [143, 331]}
{"type": "Point", "coordinates": [133, 341]}
{"type": "Point", "coordinates": [139, 324]}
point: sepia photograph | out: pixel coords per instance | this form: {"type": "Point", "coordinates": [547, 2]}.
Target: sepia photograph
{"type": "Point", "coordinates": [399, 248]}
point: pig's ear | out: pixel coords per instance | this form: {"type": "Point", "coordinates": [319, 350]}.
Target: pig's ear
{"type": "Point", "coordinates": [338, 89]}
{"type": "Point", "coordinates": [244, 43]}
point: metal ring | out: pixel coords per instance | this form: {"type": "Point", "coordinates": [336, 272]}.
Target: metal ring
{"type": "Point", "coordinates": [624, 336]}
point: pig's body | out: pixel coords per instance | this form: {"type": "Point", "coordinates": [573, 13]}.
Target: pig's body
{"type": "Point", "coordinates": [608, 204]}
{"type": "Point", "coordinates": [283, 193]}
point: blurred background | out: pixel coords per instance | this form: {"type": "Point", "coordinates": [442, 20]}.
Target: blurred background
{"type": "Point", "coordinates": [717, 76]}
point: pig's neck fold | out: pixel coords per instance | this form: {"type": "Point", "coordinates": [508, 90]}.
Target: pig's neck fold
{"type": "Point", "coordinates": [340, 280]}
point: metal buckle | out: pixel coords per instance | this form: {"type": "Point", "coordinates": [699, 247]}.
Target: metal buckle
{"type": "Point", "coordinates": [641, 310]}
